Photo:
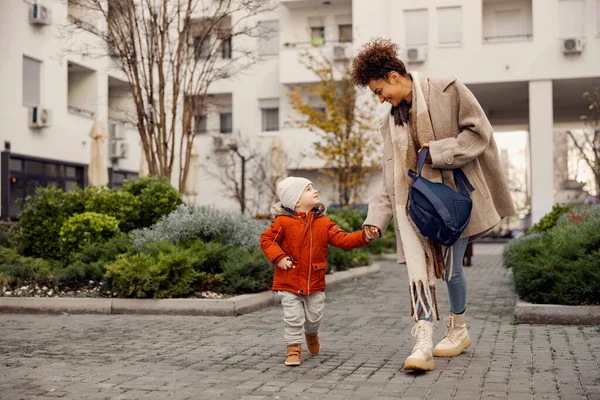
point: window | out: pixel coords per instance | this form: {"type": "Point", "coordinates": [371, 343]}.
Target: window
{"type": "Point", "coordinates": [449, 25]}
{"type": "Point", "coordinates": [268, 41]}
{"type": "Point", "coordinates": [345, 33]}
{"type": "Point", "coordinates": [317, 35]}
{"type": "Point", "coordinates": [82, 87]}
{"type": "Point", "coordinates": [27, 174]}
{"type": "Point", "coordinates": [509, 23]}
{"type": "Point", "coordinates": [317, 31]}
{"type": "Point", "coordinates": [226, 48]}
{"type": "Point", "coordinates": [572, 18]}
{"type": "Point", "coordinates": [416, 27]}
{"type": "Point", "coordinates": [117, 178]}
{"type": "Point", "coordinates": [344, 23]}
{"type": "Point", "coordinates": [224, 35]}
{"type": "Point", "coordinates": [270, 119]}
{"type": "Point", "coordinates": [226, 122]}
{"type": "Point", "coordinates": [202, 47]}
{"type": "Point", "coordinates": [31, 81]}
{"type": "Point", "coordinates": [201, 124]}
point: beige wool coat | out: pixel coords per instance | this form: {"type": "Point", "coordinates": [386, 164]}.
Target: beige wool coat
{"type": "Point", "coordinates": [463, 139]}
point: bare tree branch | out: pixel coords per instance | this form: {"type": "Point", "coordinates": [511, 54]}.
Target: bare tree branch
{"type": "Point", "coordinates": [157, 44]}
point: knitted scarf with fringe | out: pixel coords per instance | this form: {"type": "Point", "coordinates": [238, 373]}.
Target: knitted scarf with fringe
{"type": "Point", "coordinates": [424, 258]}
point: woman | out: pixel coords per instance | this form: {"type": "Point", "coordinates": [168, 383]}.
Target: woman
{"type": "Point", "coordinates": [442, 114]}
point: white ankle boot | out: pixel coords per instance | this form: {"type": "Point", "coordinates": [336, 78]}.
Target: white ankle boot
{"type": "Point", "coordinates": [457, 338]}
{"type": "Point", "coordinates": [421, 357]}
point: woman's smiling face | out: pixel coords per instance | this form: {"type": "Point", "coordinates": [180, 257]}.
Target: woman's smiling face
{"type": "Point", "coordinates": [394, 90]}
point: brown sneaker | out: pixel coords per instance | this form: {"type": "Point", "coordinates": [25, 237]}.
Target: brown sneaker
{"type": "Point", "coordinates": [312, 344]}
{"type": "Point", "coordinates": [294, 355]}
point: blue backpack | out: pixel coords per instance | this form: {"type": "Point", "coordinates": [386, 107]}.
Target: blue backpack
{"type": "Point", "coordinates": [439, 212]}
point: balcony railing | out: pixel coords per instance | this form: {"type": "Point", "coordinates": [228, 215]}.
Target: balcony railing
{"type": "Point", "coordinates": [81, 111]}
{"type": "Point", "coordinates": [314, 43]}
{"type": "Point", "coordinates": [508, 38]}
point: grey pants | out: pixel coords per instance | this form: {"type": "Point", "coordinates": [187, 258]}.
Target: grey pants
{"type": "Point", "coordinates": [301, 313]}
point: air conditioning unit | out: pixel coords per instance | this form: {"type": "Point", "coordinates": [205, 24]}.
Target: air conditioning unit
{"type": "Point", "coordinates": [39, 15]}
{"type": "Point", "coordinates": [417, 54]}
{"type": "Point", "coordinates": [39, 117]}
{"type": "Point", "coordinates": [340, 53]}
{"type": "Point", "coordinates": [118, 149]}
{"type": "Point", "coordinates": [572, 46]}
{"type": "Point", "coordinates": [116, 131]}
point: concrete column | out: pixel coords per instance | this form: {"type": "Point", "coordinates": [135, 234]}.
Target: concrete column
{"type": "Point", "coordinates": [541, 148]}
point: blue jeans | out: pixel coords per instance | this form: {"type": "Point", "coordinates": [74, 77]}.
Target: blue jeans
{"type": "Point", "coordinates": [457, 284]}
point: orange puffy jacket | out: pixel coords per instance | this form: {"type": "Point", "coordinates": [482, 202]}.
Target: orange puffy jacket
{"type": "Point", "coordinates": [304, 238]}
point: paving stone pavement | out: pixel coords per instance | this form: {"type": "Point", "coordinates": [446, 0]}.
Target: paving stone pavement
{"type": "Point", "coordinates": [365, 339]}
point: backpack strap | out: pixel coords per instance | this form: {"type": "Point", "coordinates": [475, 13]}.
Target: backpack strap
{"type": "Point", "coordinates": [460, 179]}
{"type": "Point", "coordinates": [422, 156]}
{"type": "Point", "coordinates": [462, 182]}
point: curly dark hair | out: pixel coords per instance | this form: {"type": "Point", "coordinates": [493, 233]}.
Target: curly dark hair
{"type": "Point", "coordinates": [376, 60]}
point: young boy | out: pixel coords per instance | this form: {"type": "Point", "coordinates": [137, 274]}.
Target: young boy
{"type": "Point", "coordinates": [297, 243]}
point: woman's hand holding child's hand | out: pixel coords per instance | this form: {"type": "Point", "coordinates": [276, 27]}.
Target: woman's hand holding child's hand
{"type": "Point", "coordinates": [371, 232]}
{"type": "Point", "coordinates": [285, 263]}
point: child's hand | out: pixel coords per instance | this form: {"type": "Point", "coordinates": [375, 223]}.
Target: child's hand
{"type": "Point", "coordinates": [285, 263]}
{"type": "Point", "coordinates": [371, 232]}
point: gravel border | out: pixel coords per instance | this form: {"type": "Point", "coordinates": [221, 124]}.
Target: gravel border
{"type": "Point", "coordinates": [554, 314]}
{"type": "Point", "coordinates": [237, 305]}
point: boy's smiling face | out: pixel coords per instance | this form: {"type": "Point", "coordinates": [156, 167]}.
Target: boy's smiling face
{"type": "Point", "coordinates": [309, 198]}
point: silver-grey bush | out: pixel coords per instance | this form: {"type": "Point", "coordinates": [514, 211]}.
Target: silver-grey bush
{"type": "Point", "coordinates": [190, 221]}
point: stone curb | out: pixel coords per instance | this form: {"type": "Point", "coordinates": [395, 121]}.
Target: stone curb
{"type": "Point", "coordinates": [237, 305]}
{"type": "Point", "coordinates": [554, 314]}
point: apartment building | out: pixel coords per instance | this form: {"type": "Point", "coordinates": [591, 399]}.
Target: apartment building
{"type": "Point", "coordinates": [527, 61]}
{"type": "Point", "coordinates": [49, 101]}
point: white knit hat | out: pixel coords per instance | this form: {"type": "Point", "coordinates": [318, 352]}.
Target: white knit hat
{"type": "Point", "coordinates": [290, 189]}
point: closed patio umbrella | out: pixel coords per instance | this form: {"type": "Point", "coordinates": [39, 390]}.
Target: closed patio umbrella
{"type": "Point", "coordinates": [98, 168]}
{"type": "Point", "coordinates": [191, 187]}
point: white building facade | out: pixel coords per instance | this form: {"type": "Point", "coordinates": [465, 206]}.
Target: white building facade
{"type": "Point", "coordinates": [50, 100]}
{"type": "Point", "coordinates": [527, 61]}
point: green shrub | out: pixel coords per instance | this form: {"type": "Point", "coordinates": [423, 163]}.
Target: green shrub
{"type": "Point", "coordinates": [170, 273]}
{"type": "Point", "coordinates": [385, 244]}
{"type": "Point", "coordinates": [339, 218]}
{"type": "Point", "coordinates": [78, 274]}
{"type": "Point", "coordinates": [211, 256]}
{"type": "Point", "coordinates": [208, 282]}
{"type": "Point", "coordinates": [560, 266]}
{"type": "Point", "coordinates": [6, 234]}
{"type": "Point", "coordinates": [351, 219]}
{"type": "Point", "coordinates": [37, 232]}
{"type": "Point", "coordinates": [19, 270]}
{"type": "Point", "coordinates": [341, 260]}
{"type": "Point", "coordinates": [85, 228]}
{"type": "Point", "coordinates": [246, 271]}
{"type": "Point", "coordinates": [156, 196]}
{"type": "Point", "coordinates": [549, 220]}
{"type": "Point", "coordinates": [107, 251]}
{"type": "Point", "coordinates": [89, 263]}
{"type": "Point", "coordinates": [508, 254]}
{"type": "Point", "coordinates": [363, 258]}
{"type": "Point", "coordinates": [121, 205]}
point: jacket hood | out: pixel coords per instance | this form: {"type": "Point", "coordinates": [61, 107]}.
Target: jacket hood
{"type": "Point", "coordinates": [278, 209]}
